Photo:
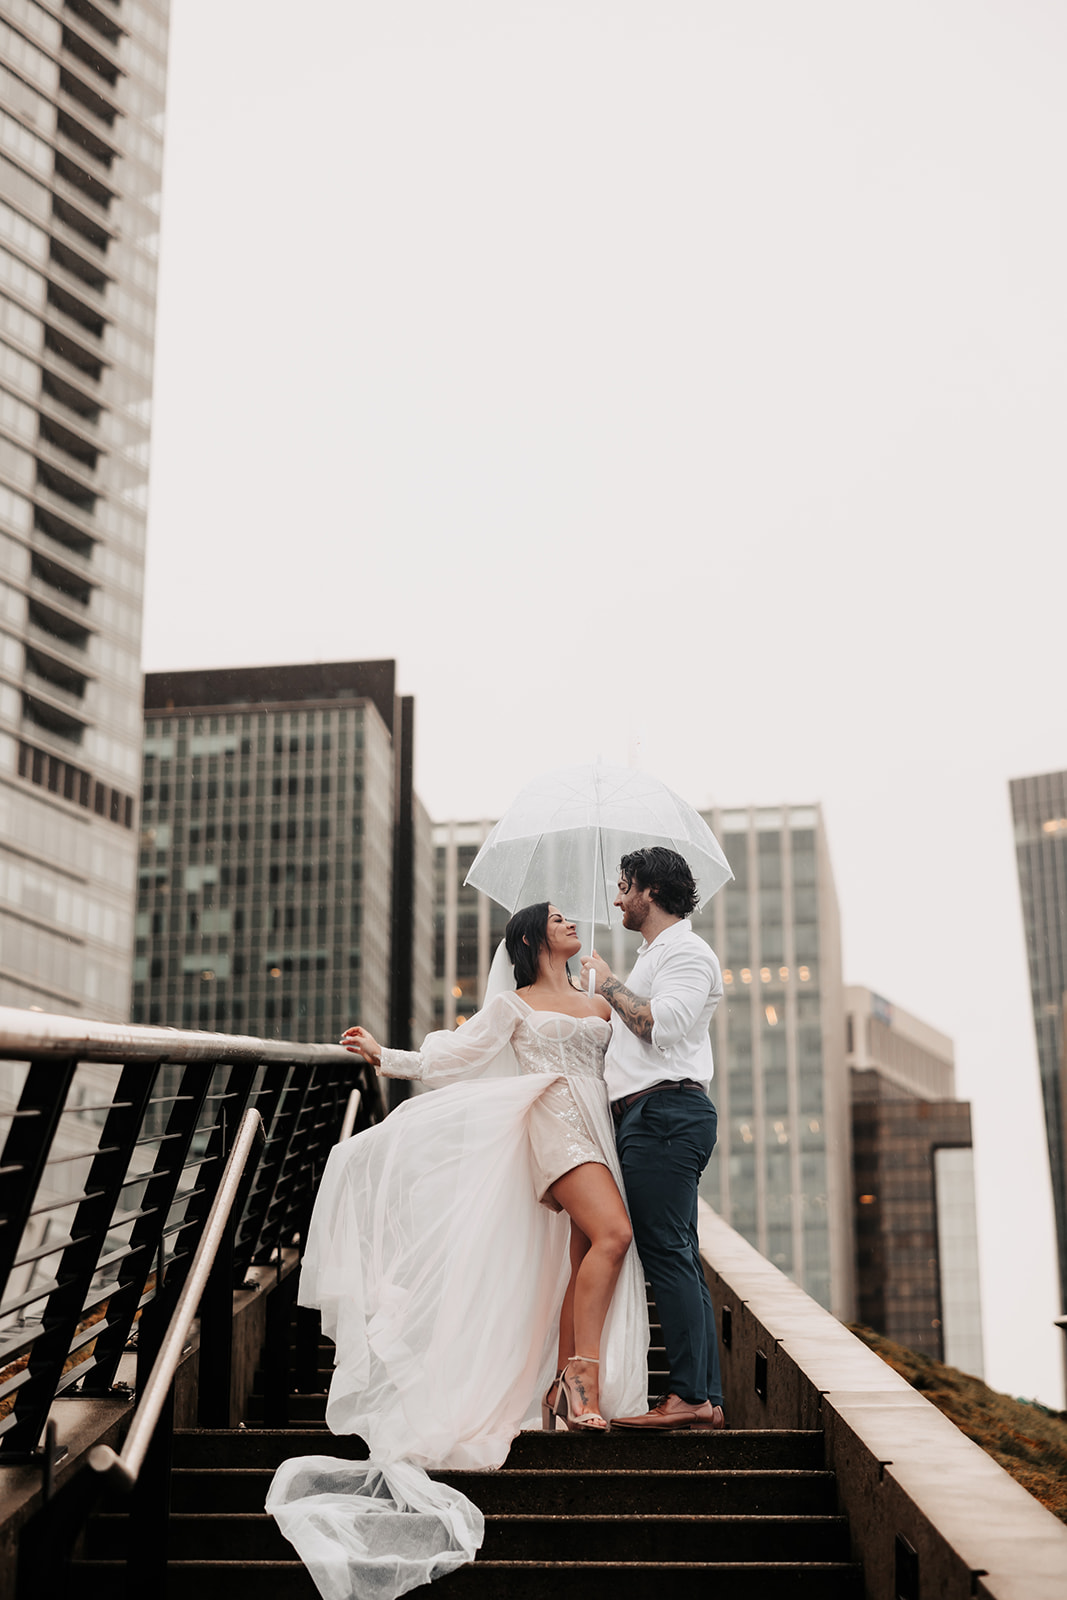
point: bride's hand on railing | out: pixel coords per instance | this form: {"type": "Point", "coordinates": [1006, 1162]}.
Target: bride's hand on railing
{"type": "Point", "coordinates": [364, 1044]}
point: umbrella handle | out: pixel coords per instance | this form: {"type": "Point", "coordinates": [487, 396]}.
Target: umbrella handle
{"type": "Point", "coordinates": [592, 914]}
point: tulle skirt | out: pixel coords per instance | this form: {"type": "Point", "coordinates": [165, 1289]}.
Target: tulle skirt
{"type": "Point", "coordinates": [440, 1277]}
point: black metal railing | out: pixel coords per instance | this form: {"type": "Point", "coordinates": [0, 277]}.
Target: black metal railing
{"type": "Point", "coordinates": [114, 1141]}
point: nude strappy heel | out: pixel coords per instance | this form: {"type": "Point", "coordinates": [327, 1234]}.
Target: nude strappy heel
{"type": "Point", "coordinates": [586, 1421]}
{"type": "Point", "coordinates": [548, 1412]}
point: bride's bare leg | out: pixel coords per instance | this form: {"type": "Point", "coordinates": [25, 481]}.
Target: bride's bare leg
{"type": "Point", "coordinates": [591, 1199]}
{"type": "Point", "coordinates": [567, 1347]}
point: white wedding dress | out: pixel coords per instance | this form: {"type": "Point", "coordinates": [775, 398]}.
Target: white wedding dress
{"type": "Point", "coordinates": [440, 1275]}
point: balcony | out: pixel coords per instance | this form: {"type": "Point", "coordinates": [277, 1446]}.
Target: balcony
{"type": "Point", "coordinates": [45, 714]}
{"type": "Point", "coordinates": [58, 583]}
{"type": "Point", "coordinates": [89, 294]}
{"type": "Point", "coordinates": [83, 452]}
{"type": "Point", "coordinates": [76, 153]}
{"type": "Point", "coordinates": [66, 522]}
{"type": "Point", "coordinates": [70, 556]}
{"type": "Point", "coordinates": [74, 198]}
{"type": "Point", "coordinates": [86, 96]}
{"type": "Point", "coordinates": [64, 478]}
{"type": "Point", "coordinates": [92, 52]}
{"type": "Point", "coordinates": [58, 633]}
{"type": "Point", "coordinates": [76, 421]}
{"type": "Point", "coordinates": [66, 702]}
{"type": "Point", "coordinates": [83, 141]}
{"type": "Point", "coordinates": [87, 251]}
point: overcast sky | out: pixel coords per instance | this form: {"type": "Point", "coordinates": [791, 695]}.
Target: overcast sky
{"type": "Point", "coordinates": [679, 383]}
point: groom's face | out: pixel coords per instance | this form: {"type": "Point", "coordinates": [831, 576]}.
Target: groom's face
{"type": "Point", "coordinates": [634, 903]}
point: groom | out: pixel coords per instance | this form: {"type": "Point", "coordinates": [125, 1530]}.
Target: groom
{"type": "Point", "coordinates": [657, 1070]}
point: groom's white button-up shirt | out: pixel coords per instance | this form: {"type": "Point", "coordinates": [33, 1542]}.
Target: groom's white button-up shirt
{"type": "Point", "coordinates": [680, 973]}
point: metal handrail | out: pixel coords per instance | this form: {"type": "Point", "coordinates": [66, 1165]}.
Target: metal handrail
{"type": "Point", "coordinates": [155, 1154]}
{"type": "Point", "coordinates": [26, 1033]}
{"type": "Point", "coordinates": [122, 1469]}
{"type": "Point", "coordinates": [351, 1113]}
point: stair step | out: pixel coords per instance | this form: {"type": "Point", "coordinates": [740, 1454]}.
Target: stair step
{"type": "Point", "coordinates": [215, 1536]}
{"type": "Point", "coordinates": [687, 1452]}
{"type": "Point", "coordinates": [547, 1492]}
{"type": "Point", "coordinates": [302, 1408]}
{"type": "Point", "coordinates": [636, 1580]}
{"type": "Point", "coordinates": [621, 1492]}
{"type": "Point", "coordinates": [506, 1580]}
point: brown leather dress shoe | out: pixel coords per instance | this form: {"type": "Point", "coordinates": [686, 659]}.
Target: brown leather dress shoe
{"type": "Point", "coordinates": [679, 1415]}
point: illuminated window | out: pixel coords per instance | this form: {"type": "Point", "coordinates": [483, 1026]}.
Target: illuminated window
{"type": "Point", "coordinates": [772, 1016]}
{"type": "Point", "coordinates": [746, 976]}
{"type": "Point", "coordinates": [804, 974]}
{"type": "Point", "coordinates": [783, 973]}
{"type": "Point", "coordinates": [765, 974]}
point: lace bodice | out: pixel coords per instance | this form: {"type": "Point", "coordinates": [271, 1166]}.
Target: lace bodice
{"type": "Point", "coordinates": [543, 1041]}
{"type": "Point", "coordinates": [550, 1041]}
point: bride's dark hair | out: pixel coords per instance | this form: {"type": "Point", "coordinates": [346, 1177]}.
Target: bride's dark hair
{"type": "Point", "coordinates": [524, 938]}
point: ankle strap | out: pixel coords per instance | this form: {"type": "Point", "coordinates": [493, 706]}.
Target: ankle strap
{"type": "Point", "coordinates": [594, 1361]}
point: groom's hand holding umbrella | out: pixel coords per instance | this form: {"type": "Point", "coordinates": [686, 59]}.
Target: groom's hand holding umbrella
{"type": "Point", "coordinates": [632, 1009]}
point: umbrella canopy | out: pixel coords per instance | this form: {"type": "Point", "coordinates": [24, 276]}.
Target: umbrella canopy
{"type": "Point", "coordinates": [564, 835]}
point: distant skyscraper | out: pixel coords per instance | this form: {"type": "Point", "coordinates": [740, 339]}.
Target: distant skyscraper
{"type": "Point", "coordinates": [81, 155]}
{"type": "Point", "coordinates": [1039, 810]}
{"type": "Point", "coordinates": [284, 885]}
{"type": "Point", "coordinates": [781, 1172]}
{"type": "Point", "coordinates": [468, 926]}
{"type": "Point", "coordinates": [913, 1169]}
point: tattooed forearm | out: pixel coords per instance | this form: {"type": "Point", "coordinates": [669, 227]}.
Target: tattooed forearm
{"type": "Point", "coordinates": [637, 1014]}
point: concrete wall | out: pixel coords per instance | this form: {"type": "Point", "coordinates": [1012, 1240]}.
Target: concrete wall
{"type": "Point", "coordinates": [902, 1467]}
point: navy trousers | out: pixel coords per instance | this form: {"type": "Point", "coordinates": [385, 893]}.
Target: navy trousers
{"type": "Point", "coordinates": [665, 1141]}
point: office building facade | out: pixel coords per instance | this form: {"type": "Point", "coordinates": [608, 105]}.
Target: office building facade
{"type": "Point", "coordinates": [284, 879]}
{"type": "Point", "coordinates": [917, 1277]}
{"type": "Point", "coordinates": [780, 1174]}
{"type": "Point", "coordinates": [1039, 813]}
{"type": "Point", "coordinates": [82, 88]}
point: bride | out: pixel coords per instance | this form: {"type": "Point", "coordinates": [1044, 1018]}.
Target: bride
{"type": "Point", "coordinates": [462, 1252]}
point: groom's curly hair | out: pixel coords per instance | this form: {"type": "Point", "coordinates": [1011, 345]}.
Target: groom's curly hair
{"type": "Point", "coordinates": [667, 874]}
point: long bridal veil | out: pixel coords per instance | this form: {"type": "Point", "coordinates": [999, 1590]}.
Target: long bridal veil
{"type": "Point", "coordinates": [439, 1277]}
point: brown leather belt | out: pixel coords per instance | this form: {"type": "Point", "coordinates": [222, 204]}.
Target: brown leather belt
{"type": "Point", "coordinates": [619, 1106]}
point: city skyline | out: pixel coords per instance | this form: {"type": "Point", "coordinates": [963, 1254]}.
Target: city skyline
{"type": "Point", "coordinates": [683, 387]}
{"type": "Point", "coordinates": [81, 159]}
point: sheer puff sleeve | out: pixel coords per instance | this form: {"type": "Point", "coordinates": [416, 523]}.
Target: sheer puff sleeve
{"type": "Point", "coordinates": [468, 1052]}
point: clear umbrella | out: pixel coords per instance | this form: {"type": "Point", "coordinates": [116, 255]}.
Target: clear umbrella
{"type": "Point", "coordinates": [565, 833]}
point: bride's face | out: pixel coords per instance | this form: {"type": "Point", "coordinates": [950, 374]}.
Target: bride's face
{"type": "Point", "coordinates": [562, 934]}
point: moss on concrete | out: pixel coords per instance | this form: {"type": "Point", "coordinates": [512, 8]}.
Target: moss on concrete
{"type": "Point", "coordinates": [1025, 1438]}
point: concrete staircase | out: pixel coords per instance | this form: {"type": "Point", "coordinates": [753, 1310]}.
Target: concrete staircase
{"type": "Point", "coordinates": [729, 1514]}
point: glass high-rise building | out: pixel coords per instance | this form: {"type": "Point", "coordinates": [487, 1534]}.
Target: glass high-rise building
{"type": "Point", "coordinates": [913, 1171]}
{"type": "Point", "coordinates": [781, 1174]}
{"type": "Point", "coordinates": [82, 86]}
{"type": "Point", "coordinates": [284, 882]}
{"type": "Point", "coordinates": [1039, 811]}
{"type": "Point", "coordinates": [781, 1171]}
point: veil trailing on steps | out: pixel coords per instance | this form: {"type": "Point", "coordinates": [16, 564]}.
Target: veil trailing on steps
{"type": "Point", "coordinates": [439, 1277]}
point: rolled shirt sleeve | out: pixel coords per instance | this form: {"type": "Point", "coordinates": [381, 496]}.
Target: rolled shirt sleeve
{"type": "Point", "coordinates": [687, 980]}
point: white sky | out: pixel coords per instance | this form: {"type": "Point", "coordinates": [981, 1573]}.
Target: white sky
{"type": "Point", "coordinates": [680, 383]}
